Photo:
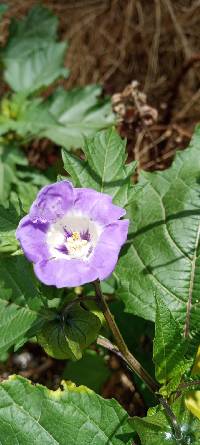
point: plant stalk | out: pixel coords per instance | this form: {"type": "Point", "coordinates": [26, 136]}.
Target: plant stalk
{"type": "Point", "coordinates": [122, 351]}
{"type": "Point", "coordinates": [121, 345]}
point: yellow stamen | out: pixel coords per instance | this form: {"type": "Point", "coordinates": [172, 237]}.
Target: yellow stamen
{"type": "Point", "coordinates": [76, 236]}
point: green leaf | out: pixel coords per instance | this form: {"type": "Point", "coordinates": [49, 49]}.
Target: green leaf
{"type": "Point", "coordinates": [34, 415]}
{"type": "Point", "coordinates": [169, 348]}
{"type": "Point", "coordinates": [162, 254]}
{"type": "Point", "coordinates": [26, 192]}
{"type": "Point", "coordinates": [20, 302]}
{"type": "Point", "coordinates": [156, 430]}
{"type": "Point", "coordinates": [9, 219]}
{"type": "Point", "coordinates": [18, 181]}
{"type": "Point", "coordinates": [191, 385]}
{"type": "Point", "coordinates": [32, 57]}
{"type": "Point", "coordinates": [6, 178]}
{"type": "Point", "coordinates": [67, 337]}
{"type": "Point", "coordinates": [8, 161]}
{"type": "Point", "coordinates": [36, 30]}
{"type": "Point", "coordinates": [31, 117]}
{"type": "Point", "coordinates": [37, 71]}
{"type": "Point", "coordinates": [91, 371]}
{"type": "Point", "coordinates": [81, 112]}
{"type": "Point", "coordinates": [11, 158]}
{"type": "Point", "coordinates": [104, 168]}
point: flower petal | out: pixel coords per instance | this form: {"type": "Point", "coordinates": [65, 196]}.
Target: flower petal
{"type": "Point", "coordinates": [65, 273]}
{"type": "Point", "coordinates": [107, 250]}
{"type": "Point", "coordinates": [52, 202]}
{"type": "Point", "coordinates": [32, 237]}
{"type": "Point", "coordinates": [98, 206]}
{"type": "Point", "coordinates": [60, 205]}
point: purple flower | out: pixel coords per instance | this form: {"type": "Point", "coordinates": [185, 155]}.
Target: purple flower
{"type": "Point", "coordinates": [73, 236]}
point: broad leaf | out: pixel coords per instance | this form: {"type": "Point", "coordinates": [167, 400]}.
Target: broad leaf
{"type": "Point", "coordinates": [156, 430]}
{"type": "Point", "coordinates": [162, 254]}
{"type": "Point", "coordinates": [20, 303]}
{"type": "Point", "coordinates": [34, 415]}
{"type": "Point", "coordinates": [36, 30]}
{"type": "Point", "coordinates": [104, 168]}
{"type": "Point", "coordinates": [169, 348]}
{"type": "Point", "coordinates": [66, 337]}
{"type": "Point", "coordinates": [81, 112]}
{"type": "Point", "coordinates": [32, 57]}
{"type": "Point", "coordinates": [37, 71]}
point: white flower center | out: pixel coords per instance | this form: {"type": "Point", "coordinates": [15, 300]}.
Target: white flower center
{"type": "Point", "coordinates": [76, 246]}
{"type": "Point", "coordinates": [73, 236]}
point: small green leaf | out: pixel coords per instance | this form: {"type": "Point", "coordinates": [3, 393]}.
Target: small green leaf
{"type": "Point", "coordinates": [104, 168]}
{"type": "Point", "coordinates": [32, 57]}
{"type": "Point", "coordinates": [36, 30]}
{"type": "Point", "coordinates": [66, 337]}
{"type": "Point", "coordinates": [36, 71]}
{"type": "Point", "coordinates": [80, 113]}
{"type": "Point", "coordinates": [34, 415]}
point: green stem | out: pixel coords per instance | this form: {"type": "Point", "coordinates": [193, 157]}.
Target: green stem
{"type": "Point", "coordinates": [121, 345]}
{"type": "Point", "coordinates": [123, 352]}
{"type": "Point", "coordinates": [171, 416]}
{"type": "Point", "coordinates": [102, 341]}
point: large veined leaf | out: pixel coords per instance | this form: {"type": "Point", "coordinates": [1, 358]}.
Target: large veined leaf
{"type": "Point", "coordinates": [32, 57]}
{"type": "Point", "coordinates": [162, 254]}
{"type": "Point", "coordinates": [34, 415]}
{"type": "Point", "coordinates": [20, 302]}
{"type": "Point", "coordinates": [81, 112]}
{"type": "Point", "coordinates": [156, 429]}
{"type": "Point", "coordinates": [104, 168]}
